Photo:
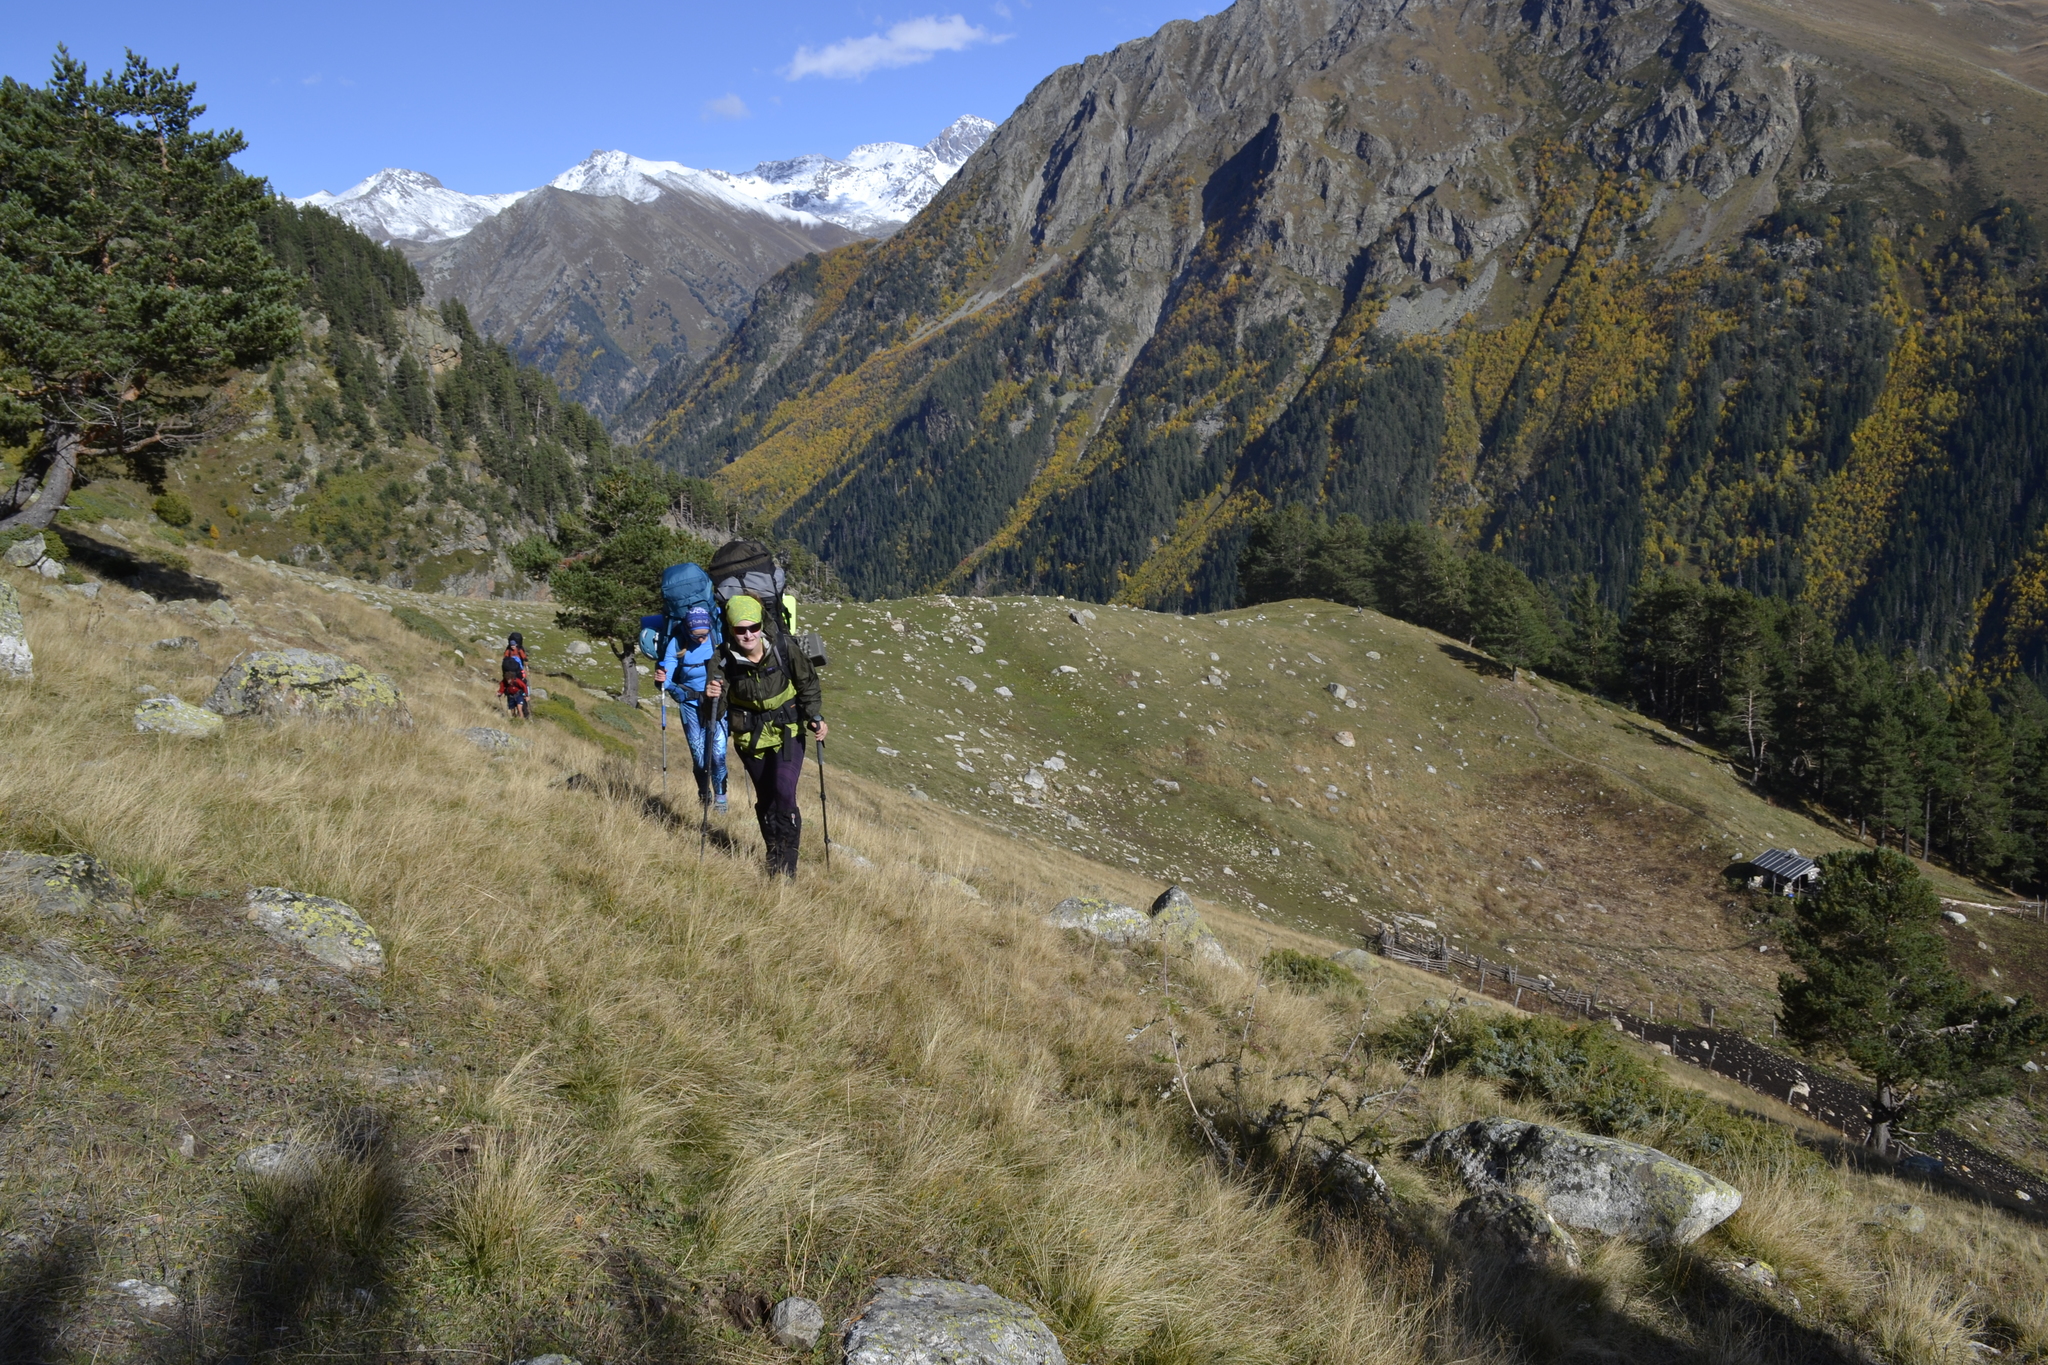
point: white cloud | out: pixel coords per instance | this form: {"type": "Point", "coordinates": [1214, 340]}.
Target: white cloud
{"type": "Point", "coordinates": [725, 107]}
{"type": "Point", "coordinates": [905, 44]}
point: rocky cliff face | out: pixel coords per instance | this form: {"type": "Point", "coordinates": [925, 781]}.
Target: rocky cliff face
{"type": "Point", "coordinates": [1420, 260]}
{"type": "Point", "coordinates": [600, 290]}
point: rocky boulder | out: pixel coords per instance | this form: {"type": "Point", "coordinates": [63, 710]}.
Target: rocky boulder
{"type": "Point", "coordinates": [795, 1324]}
{"type": "Point", "coordinates": [65, 884]}
{"type": "Point", "coordinates": [1514, 1228]}
{"type": "Point", "coordinates": [1619, 1188]}
{"type": "Point", "coordinates": [1172, 922]}
{"type": "Point", "coordinates": [328, 929]}
{"type": "Point", "coordinates": [286, 684]}
{"type": "Point", "coordinates": [170, 716]}
{"type": "Point", "coordinates": [947, 1322]}
{"type": "Point", "coordinates": [53, 989]}
{"type": "Point", "coordinates": [1177, 924]}
{"type": "Point", "coordinates": [16, 661]}
{"type": "Point", "coordinates": [1105, 919]}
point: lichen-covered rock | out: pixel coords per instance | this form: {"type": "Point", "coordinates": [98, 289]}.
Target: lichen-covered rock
{"type": "Point", "coordinates": [1623, 1189]}
{"type": "Point", "coordinates": [795, 1324]}
{"type": "Point", "coordinates": [65, 884]}
{"type": "Point", "coordinates": [1356, 959]}
{"type": "Point", "coordinates": [1177, 924]}
{"type": "Point", "coordinates": [1907, 1218]}
{"type": "Point", "coordinates": [151, 1298]}
{"type": "Point", "coordinates": [1105, 919]}
{"type": "Point", "coordinates": [491, 741]}
{"type": "Point", "coordinates": [328, 929]}
{"type": "Point", "coordinates": [24, 553]}
{"type": "Point", "coordinates": [947, 1322]}
{"type": "Point", "coordinates": [1173, 922]}
{"type": "Point", "coordinates": [286, 1160]}
{"type": "Point", "coordinates": [54, 989]}
{"type": "Point", "coordinates": [285, 684]}
{"type": "Point", "coordinates": [16, 660]}
{"type": "Point", "coordinates": [1513, 1228]}
{"type": "Point", "coordinates": [170, 716]}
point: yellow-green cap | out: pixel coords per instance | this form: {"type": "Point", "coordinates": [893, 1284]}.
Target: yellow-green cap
{"type": "Point", "coordinates": [742, 611]}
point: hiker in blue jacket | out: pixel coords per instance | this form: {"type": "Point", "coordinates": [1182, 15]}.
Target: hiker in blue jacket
{"type": "Point", "coordinates": [681, 673]}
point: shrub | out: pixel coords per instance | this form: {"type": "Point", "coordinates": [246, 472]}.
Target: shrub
{"type": "Point", "coordinates": [417, 621]}
{"type": "Point", "coordinates": [563, 712]}
{"type": "Point", "coordinates": [1304, 971]}
{"type": "Point", "coordinates": [173, 509]}
{"type": "Point", "coordinates": [1590, 1074]}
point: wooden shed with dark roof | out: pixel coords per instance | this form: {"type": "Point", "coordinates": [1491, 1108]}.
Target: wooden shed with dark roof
{"type": "Point", "coordinates": [1782, 872]}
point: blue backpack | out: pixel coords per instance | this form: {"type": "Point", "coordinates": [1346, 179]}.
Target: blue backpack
{"type": "Point", "coordinates": [682, 586]}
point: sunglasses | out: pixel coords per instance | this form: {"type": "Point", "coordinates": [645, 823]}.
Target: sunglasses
{"type": "Point", "coordinates": [746, 629]}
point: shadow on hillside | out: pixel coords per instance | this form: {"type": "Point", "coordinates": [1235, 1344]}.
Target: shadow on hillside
{"type": "Point", "coordinates": [311, 1267]}
{"type": "Point", "coordinates": [1477, 662]}
{"type": "Point", "coordinates": [132, 571]}
{"type": "Point", "coordinates": [41, 1287]}
{"type": "Point", "coordinates": [1552, 1313]}
{"type": "Point", "coordinates": [679, 813]}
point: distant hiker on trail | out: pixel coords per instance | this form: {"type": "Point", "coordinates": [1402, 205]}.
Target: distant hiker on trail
{"type": "Point", "coordinates": [772, 695]}
{"type": "Point", "coordinates": [512, 677]}
{"type": "Point", "coordinates": [682, 672]}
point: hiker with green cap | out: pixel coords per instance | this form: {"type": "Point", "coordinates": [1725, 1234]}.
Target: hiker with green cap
{"type": "Point", "coordinates": [772, 697]}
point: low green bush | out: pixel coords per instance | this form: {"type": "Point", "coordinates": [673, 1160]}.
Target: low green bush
{"type": "Point", "coordinates": [563, 712]}
{"type": "Point", "coordinates": [1591, 1075]}
{"type": "Point", "coordinates": [417, 621]}
{"type": "Point", "coordinates": [1304, 971]}
{"type": "Point", "coordinates": [173, 509]}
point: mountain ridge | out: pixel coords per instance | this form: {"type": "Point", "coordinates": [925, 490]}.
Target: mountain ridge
{"type": "Point", "coordinates": [1463, 263]}
{"type": "Point", "coordinates": [397, 205]}
{"type": "Point", "coordinates": [620, 264]}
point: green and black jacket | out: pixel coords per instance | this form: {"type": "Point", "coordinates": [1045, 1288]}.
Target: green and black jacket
{"type": "Point", "coordinates": [768, 701]}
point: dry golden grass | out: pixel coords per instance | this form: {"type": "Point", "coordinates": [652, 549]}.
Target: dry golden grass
{"type": "Point", "coordinates": [650, 1080]}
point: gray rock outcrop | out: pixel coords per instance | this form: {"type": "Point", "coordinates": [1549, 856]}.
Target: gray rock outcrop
{"type": "Point", "coordinates": [1177, 924]}
{"type": "Point", "coordinates": [284, 684]}
{"type": "Point", "coordinates": [1105, 919]}
{"type": "Point", "coordinates": [1172, 922]}
{"type": "Point", "coordinates": [1623, 1189]}
{"type": "Point", "coordinates": [947, 1322]}
{"type": "Point", "coordinates": [1514, 1228]}
{"type": "Point", "coordinates": [53, 988]}
{"type": "Point", "coordinates": [170, 716]}
{"type": "Point", "coordinates": [285, 1160]}
{"type": "Point", "coordinates": [16, 659]}
{"type": "Point", "coordinates": [795, 1324]}
{"type": "Point", "coordinates": [23, 554]}
{"type": "Point", "coordinates": [327, 929]}
{"type": "Point", "coordinates": [65, 884]}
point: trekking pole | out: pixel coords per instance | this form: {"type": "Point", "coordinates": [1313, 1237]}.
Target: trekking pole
{"type": "Point", "coordinates": [710, 746]}
{"type": "Point", "coordinates": [661, 701]}
{"type": "Point", "coordinates": [824, 807]}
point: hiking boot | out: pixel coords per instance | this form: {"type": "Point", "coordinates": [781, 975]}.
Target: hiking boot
{"type": "Point", "coordinates": [792, 838]}
{"type": "Point", "coordinates": [718, 803]}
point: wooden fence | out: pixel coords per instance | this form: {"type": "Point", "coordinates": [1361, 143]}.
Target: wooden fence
{"type": "Point", "coordinates": [1437, 955]}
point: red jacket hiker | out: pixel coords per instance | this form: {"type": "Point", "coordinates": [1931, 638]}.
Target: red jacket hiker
{"type": "Point", "coordinates": [512, 675]}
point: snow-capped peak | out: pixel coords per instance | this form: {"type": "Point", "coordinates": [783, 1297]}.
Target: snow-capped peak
{"type": "Point", "coordinates": [619, 175]}
{"type": "Point", "coordinates": [877, 187]}
{"type": "Point", "coordinates": [409, 205]}
{"type": "Point", "coordinates": [962, 138]}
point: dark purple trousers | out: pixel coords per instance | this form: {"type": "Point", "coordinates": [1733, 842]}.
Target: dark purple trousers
{"type": "Point", "coordinates": [775, 775]}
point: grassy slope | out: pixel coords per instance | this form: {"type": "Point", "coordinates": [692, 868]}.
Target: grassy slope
{"type": "Point", "coordinates": [603, 1097]}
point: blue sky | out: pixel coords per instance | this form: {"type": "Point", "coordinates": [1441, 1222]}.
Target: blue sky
{"type": "Point", "coordinates": [503, 97]}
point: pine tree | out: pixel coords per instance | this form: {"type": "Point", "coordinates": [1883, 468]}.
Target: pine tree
{"type": "Point", "coordinates": [1878, 990]}
{"type": "Point", "coordinates": [604, 592]}
{"type": "Point", "coordinates": [132, 279]}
